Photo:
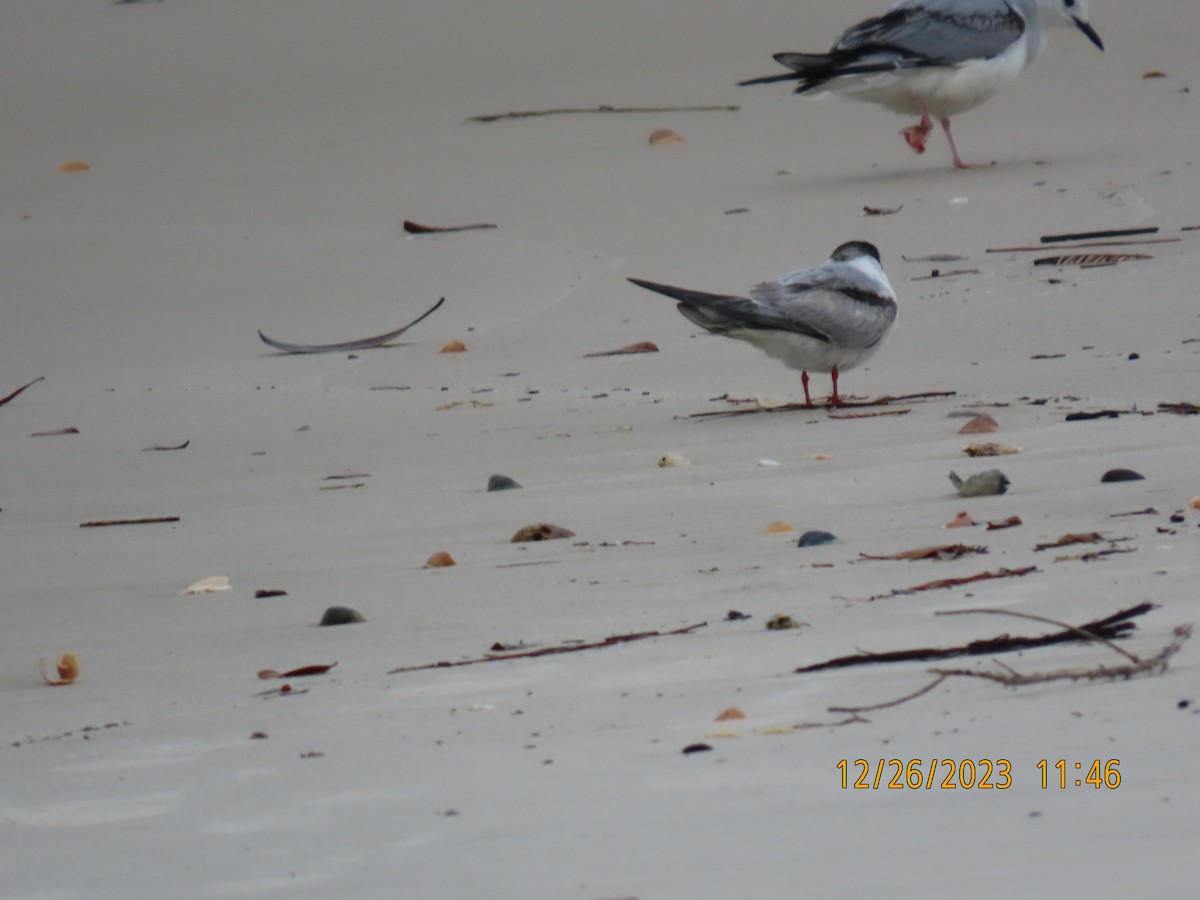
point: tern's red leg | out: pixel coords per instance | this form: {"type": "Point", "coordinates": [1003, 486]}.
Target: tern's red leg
{"type": "Point", "coordinates": [835, 400]}
{"type": "Point", "coordinates": [915, 135]}
{"type": "Point", "coordinates": [804, 381]}
{"type": "Point", "coordinates": [958, 163]}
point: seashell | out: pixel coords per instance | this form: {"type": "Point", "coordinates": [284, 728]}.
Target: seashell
{"type": "Point", "coordinates": [962, 520]}
{"type": "Point", "coordinates": [767, 462]}
{"type": "Point", "coordinates": [68, 670]}
{"type": "Point", "coordinates": [729, 714]}
{"type": "Point", "coordinates": [781, 622]}
{"type": "Point", "coordinates": [820, 456]}
{"type": "Point", "coordinates": [981, 484]}
{"type": "Point", "coordinates": [341, 615]}
{"type": "Point", "coordinates": [74, 165]}
{"type": "Point", "coordinates": [501, 483]}
{"type": "Point", "coordinates": [664, 136]}
{"type": "Point", "coordinates": [990, 449]}
{"type": "Point", "coordinates": [543, 531]}
{"type": "Point", "coordinates": [778, 528]}
{"type": "Point", "coordinates": [981, 424]}
{"type": "Point", "coordinates": [815, 539]}
{"type": "Point", "coordinates": [1121, 475]}
{"type": "Point", "coordinates": [673, 461]}
{"type": "Point", "coordinates": [440, 560]}
{"type": "Point", "coordinates": [209, 585]}
{"type": "Point", "coordinates": [454, 347]}
{"type": "Point", "coordinates": [1196, 503]}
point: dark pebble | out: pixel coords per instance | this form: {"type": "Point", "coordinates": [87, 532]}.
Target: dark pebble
{"type": "Point", "coordinates": [1135, 356]}
{"type": "Point", "coordinates": [341, 615]}
{"type": "Point", "coordinates": [735, 615]}
{"type": "Point", "coordinates": [696, 748]}
{"type": "Point", "coordinates": [816, 539]}
{"type": "Point", "coordinates": [1121, 475]}
{"type": "Point", "coordinates": [501, 483]}
{"type": "Point", "coordinates": [1178, 518]}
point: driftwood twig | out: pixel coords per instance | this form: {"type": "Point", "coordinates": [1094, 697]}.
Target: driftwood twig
{"type": "Point", "coordinates": [603, 108]}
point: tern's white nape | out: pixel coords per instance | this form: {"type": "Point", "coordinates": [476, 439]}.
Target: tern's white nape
{"type": "Point", "coordinates": [934, 58]}
{"type": "Point", "coordinates": [829, 318]}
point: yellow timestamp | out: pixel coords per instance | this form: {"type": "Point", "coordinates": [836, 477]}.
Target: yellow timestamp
{"type": "Point", "coordinates": [1062, 773]}
{"type": "Point", "coordinates": [919, 774]}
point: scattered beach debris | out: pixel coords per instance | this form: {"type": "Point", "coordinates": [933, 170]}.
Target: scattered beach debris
{"type": "Point", "coordinates": [440, 560]}
{"type": "Point", "coordinates": [664, 136]}
{"type": "Point", "coordinates": [346, 476]}
{"type": "Point", "coordinates": [729, 714]}
{"type": "Point", "coordinates": [1089, 416]}
{"type": "Point", "coordinates": [639, 347]}
{"type": "Point", "coordinates": [68, 670]}
{"type": "Point", "coordinates": [1121, 475]}
{"type": "Point", "coordinates": [1067, 540]}
{"type": "Point", "coordinates": [104, 523]}
{"type": "Point", "coordinates": [1107, 629]}
{"type": "Point", "coordinates": [1096, 235]}
{"type": "Point", "coordinates": [454, 347]}
{"type": "Point", "coordinates": [816, 539]}
{"type": "Point", "coordinates": [1180, 409]}
{"type": "Point", "coordinates": [182, 446]}
{"type": "Point", "coordinates": [938, 273]}
{"type": "Point", "coordinates": [285, 690]}
{"type": "Point", "coordinates": [210, 585]}
{"type": "Point", "coordinates": [882, 210]}
{"type": "Point", "coordinates": [962, 520]}
{"type": "Point", "coordinates": [736, 615]}
{"type": "Point", "coordinates": [1195, 504]}
{"type": "Point", "coordinates": [696, 748]}
{"type": "Point", "coordinates": [502, 483]}
{"type": "Point", "coordinates": [673, 461]}
{"type": "Point", "coordinates": [455, 404]}
{"type": "Point", "coordinates": [1010, 522]}
{"type": "Point", "coordinates": [1089, 260]}
{"type": "Point", "coordinates": [782, 622]}
{"type": "Point", "coordinates": [778, 528]}
{"type": "Point", "coordinates": [990, 449]}
{"type": "Point", "coordinates": [603, 108]}
{"type": "Point", "coordinates": [1082, 245]}
{"type": "Point", "coordinates": [265, 593]}
{"type": "Point", "coordinates": [567, 647]}
{"type": "Point", "coordinates": [1048, 356]}
{"type": "Point", "coordinates": [74, 165]}
{"type": "Point", "coordinates": [737, 210]}
{"type": "Point", "coordinates": [55, 432]}
{"type": "Point", "coordinates": [412, 227]}
{"type": "Point", "coordinates": [341, 615]}
{"type": "Point", "coordinates": [980, 424]}
{"type": "Point", "coordinates": [361, 344]}
{"type": "Point", "coordinates": [940, 552]}
{"type": "Point", "coordinates": [17, 392]}
{"type": "Point", "coordinates": [1154, 73]}
{"type": "Point", "coordinates": [767, 463]}
{"type": "Point", "coordinates": [302, 672]}
{"type": "Point", "coordinates": [886, 400]}
{"type": "Point", "coordinates": [981, 484]}
{"type": "Point", "coordinates": [935, 257]}
{"type": "Point", "coordinates": [943, 583]}
{"type": "Point", "coordinates": [543, 531]}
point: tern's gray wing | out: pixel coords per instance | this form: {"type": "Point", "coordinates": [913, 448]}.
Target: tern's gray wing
{"type": "Point", "coordinates": [837, 302]}
{"type": "Point", "coordinates": [932, 32]}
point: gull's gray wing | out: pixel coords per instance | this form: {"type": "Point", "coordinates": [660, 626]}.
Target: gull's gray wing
{"type": "Point", "coordinates": [932, 32]}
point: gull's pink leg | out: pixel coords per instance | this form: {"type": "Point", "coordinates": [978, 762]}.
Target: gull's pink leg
{"type": "Point", "coordinates": [916, 135]}
{"type": "Point", "coordinates": [804, 381]}
{"type": "Point", "coordinates": [958, 163]}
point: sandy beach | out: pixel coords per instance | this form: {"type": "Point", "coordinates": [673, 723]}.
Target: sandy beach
{"type": "Point", "coordinates": [250, 166]}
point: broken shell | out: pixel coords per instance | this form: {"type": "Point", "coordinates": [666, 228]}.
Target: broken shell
{"type": "Point", "coordinates": [767, 463]}
{"type": "Point", "coordinates": [209, 585]}
{"type": "Point", "coordinates": [454, 347]}
{"type": "Point", "coordinates": [1196, 503]}
{"type": "Point", "coordinates": [440, 560]}
{"type": "Point", "coordinates": [543, 531]}
{"type": "Point", "coordinates": [1121, 475]}
{"type": "Point", "coordinates": [778, 528]}
{"type": "Point", "coordinates": [729, 714]}
{"type": "Point", "coordinates": [962, 520]}
{"type": "Point", "coordinates": [672, 461]}
{"type": "Point", "coordinates": [990, 449]}
{"type": "Point", "coordinates": [501, 483]}
{"type": "Point", "coordinates": [981, 484]}
{"type": "Point", "coordinates": [781, 622]}
{"type": "Point", "coordinates": [664, 136]}
{"type": "Point", "coordinates": [341, 615]}
{"type": "Point", "coordinates": [74, 165]}
{"type": "Point", "coordinates": [68, 670]}
{"type": "Point", "coordinates": [981, 424]}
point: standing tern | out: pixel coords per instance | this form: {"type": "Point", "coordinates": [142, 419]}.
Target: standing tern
{"type": "Point", "coordinates": [934, 57]}
{"type": "Point", "coordinates": [829, 318]}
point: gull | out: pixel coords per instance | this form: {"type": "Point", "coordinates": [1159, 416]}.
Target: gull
{"type": "Point", "coordinates": [829, 318]}
{"type": "Point", "coordinates": [934, 57]}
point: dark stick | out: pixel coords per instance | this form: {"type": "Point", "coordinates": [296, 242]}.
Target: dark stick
{"type": "Point", "coordinates": [106, 522]}
{"type": "Point", "coordinates": [4, 400]}
{"type": "Point", "coordinates": [1095, 235]}
{"type": "Point", "coordinates": [531, 113]}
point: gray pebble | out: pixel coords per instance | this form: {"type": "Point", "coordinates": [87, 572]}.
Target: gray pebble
{"type": "Point", "coordinates": [1121, 475]}
{"type": "Point", "coordinates": [816, 538]}
{"type": "Point", "coordinates": [341, 615]}
{"type": "Point", "coordinates": [501, 483]}
{"type": "Point", "coordinates": [981, 484]}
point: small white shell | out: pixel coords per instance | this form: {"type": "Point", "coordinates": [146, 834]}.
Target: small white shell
{"type": "Point", "coordinates": [672, 461]}
{"type": "Point", "coordinates": [209, 585]}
